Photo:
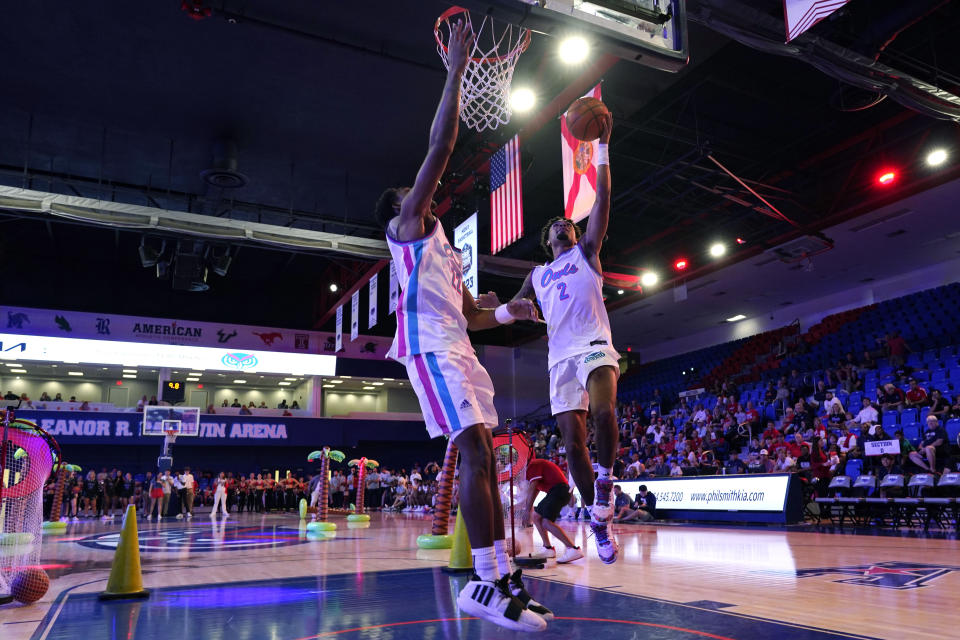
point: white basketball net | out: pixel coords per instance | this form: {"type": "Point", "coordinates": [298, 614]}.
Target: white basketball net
{"type": "Point", "coordinates": [485, 86]}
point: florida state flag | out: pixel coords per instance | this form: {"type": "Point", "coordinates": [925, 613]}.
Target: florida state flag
{"type": "Point", "coordinates": [579, 170]}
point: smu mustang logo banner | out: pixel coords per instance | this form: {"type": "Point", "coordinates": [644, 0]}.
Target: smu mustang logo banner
{"type": "Point", "coordinates": [885, 575]}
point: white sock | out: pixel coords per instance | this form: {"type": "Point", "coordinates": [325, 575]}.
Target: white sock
{"type": "Point", "coordinates": [604, 472]}
{"type": "Point", "coordinates": [485, 563]}
{"type": "Point", "coordinates": [503, 560]}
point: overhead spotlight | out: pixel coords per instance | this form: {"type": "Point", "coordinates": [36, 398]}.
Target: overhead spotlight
{"type": "Point", "coordinates": [937, 157]}
{"type": "Point", "coordinates": [718, 249]}
{"type": "Point", "coordinates": [574, 50]}
{"type": "Point", "coordinates": [736, 318]}
{"type": "Point", "coordinates": [649, 278]}
{"type": "Point", "coordinates": [886, 177]}
{"type": "Point", "coordinates": [619, 292]}
{"type": "Point", "coordinates": [522, 99]}
{"type": "Point", "coordinates": [333, 287]}
{"type": "Point", "coordinates": [680, 264]}
{"type": "Point", "coordinates": [741, 241]}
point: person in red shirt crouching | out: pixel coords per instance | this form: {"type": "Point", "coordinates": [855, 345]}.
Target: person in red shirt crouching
{"type": "Point", "coordinates": [543, 475]}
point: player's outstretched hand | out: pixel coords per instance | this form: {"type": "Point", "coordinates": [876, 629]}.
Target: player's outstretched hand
{"type": "Point", "coordinates": [461, 39]}
{"type": "Point", "coordinates": [606, 128]}
{"type": "Point", "coordinates": [488, 300]}
{"type": "Point", "coordinates": [522, 309]}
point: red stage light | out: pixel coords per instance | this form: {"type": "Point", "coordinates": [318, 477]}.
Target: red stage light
{"type": "Point", "coordinates": [119, 383]}
{"type": "Point", "coordinates": [741, 241]}
{"type": "Point", "coordinates": [680, 264]}
{"type": "Point", "coordinates": [200, 386]}
{"type": "Point", "coordinates": [886, 177]}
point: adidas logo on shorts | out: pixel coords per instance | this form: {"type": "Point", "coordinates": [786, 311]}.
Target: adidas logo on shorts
{"type": "Point", "coordinates": [596, 355]}
{"type": "Point", "coordinates": [465, 404]}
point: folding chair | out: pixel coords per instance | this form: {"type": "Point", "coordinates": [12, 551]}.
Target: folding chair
{"type": "Point", "coordinates": [852, 506]}
{"type": "Point", "coordinates": [909, 507]}
{"type": "Point", "coordinates": [837, 484]}
{"type": "Point", "coordinates": [882, 508]}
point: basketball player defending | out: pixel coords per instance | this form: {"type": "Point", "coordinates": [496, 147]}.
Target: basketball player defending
{"type": "Point", "coordinates": [582, 362]}
{"type": "Point", "coordinates": [455, 392]}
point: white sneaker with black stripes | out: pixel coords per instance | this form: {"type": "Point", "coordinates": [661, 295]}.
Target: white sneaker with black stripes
{"type": "Point", "coordinates": [493, 602]}
{"type": "Point", "coordinates": [518, 591]}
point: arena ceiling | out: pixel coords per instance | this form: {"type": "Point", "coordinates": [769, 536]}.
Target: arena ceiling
{"type": "Point", "coordinates": [325, 105]}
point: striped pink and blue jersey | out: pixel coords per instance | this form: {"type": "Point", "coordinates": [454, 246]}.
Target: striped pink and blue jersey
{"type": "Point", "coordinates": [430, 310]}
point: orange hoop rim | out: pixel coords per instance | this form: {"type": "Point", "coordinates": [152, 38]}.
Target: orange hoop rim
{"type": "Point", "coordinates": [518, 49]}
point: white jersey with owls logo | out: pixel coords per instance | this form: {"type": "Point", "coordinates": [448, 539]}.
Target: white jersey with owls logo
{"type": "Point", "coordinates": [570, 294]}
{"type": "Point", "coordinates": [430, 310]}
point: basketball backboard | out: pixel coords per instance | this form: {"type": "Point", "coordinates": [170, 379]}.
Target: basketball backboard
{"type": "Point", "coordinates": [650, 32]}
{"type": "Point", "coordinates": [158, 420]}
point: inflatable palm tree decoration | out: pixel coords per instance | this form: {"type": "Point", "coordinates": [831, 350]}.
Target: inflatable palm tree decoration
{"type": "Point", "coordinates": [363, 464]}
{"type": "Point", "coordinates": [324, 455]}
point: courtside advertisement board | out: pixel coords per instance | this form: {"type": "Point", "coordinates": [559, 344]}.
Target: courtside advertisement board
{"type": "Point", "coordinates": [758, 492]}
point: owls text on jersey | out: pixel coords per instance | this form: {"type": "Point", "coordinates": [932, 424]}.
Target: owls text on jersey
{"type": "Point", "coordinates": [430, 310]}
{"type": "Point", "coordinates": [570, 294]}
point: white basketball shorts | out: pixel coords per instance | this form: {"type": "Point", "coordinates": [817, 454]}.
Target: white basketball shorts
{"type": "Point", "coordinates": [568, 378]}
{"type": "Point", "coordinates": [454, 390]}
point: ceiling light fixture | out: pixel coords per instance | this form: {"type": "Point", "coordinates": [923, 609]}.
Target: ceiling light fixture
{"type": "Point", "coordinates": [74, 373]}
{"type": "Point", "coordinates": [937, 157]}
{"type": "Point", "coordinates": [573, 50]}
{"type": "Point", "coordinates": [522, 99]}
{"type": "Point", "coordinates": [717, 249]}
{"type": "Point", "coordinates": [649, 278]}
{"type": "Point", "coordinates": [736, 318]}
{"type": "Point", "coordinates": [239, 382]}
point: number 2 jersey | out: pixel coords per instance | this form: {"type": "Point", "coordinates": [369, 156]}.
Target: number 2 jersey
{"type": "Point", "coordinates": [430, 309]}
{"type": "Point", "coordinates": [570, 294]}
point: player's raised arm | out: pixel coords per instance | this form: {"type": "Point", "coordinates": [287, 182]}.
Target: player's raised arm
{"type": "Point", "coordinates": [443, 132]}
{"type": "Point", "coordinates": [527, 291]}
{"type": "Point", "coordinates": [600, 213]}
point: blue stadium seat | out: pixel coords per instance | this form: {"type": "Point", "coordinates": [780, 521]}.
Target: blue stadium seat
{"type": "Point", "coordinates": [912, 432]}
{"type": "Point", "coordinates": [889, 419]}
{"type": "Point", "coordinates": [923, 415]}
{"type": "Point", "coordinates": [908, 416]}
{"type": "Point", "coordinates": [953, 429]}
{"type": "Point", "coordinates": [854, 401]}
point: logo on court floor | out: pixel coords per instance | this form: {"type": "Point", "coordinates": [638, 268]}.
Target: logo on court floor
{"type": "Point", "coordinates": [214, 537]}
{"type": "Point", "coordinates": [885, 575]}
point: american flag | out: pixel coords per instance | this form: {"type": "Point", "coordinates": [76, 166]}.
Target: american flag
{"type": "Point", "coordinates": [506, 196]}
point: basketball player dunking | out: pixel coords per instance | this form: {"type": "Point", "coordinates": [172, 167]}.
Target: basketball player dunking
{"type": "Point", "coordinates": [582, 362]}
{"type": "Point", "coordinates": [455, 392]}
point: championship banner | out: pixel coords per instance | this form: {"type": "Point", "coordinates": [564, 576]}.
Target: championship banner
{"type": "Point", "coordinates": [354, 315]}
{"type": "Point", "coordinates": [372, 318]}
{"type": "Point", "coordinates": [465, 239]}
{"type": "Point", "coordinates": [339, 329]}
{"type": "Point", "coordinates": [394, 287]}
{"type": "Point", "coordinates": [579, 170]}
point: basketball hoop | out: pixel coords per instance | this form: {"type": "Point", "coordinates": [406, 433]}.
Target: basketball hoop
{"type": "Point", "coordinates": [485, 86]}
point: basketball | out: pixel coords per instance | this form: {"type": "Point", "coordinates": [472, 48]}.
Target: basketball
{"type": "Point", "coordinates": [30, 585]}
{"type": "Point", "coordinates": [584, 118]}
